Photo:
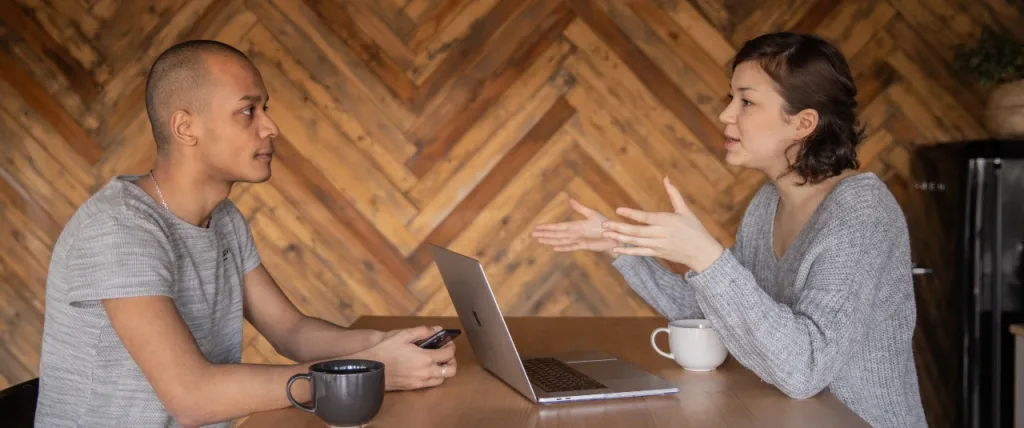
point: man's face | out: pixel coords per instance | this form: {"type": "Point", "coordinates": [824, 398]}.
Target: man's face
{"type": "Point", "coordinates": [236, 133]}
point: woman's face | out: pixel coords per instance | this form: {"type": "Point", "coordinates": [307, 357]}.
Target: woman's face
{"type": "Point", "coordinates": [758, 131]}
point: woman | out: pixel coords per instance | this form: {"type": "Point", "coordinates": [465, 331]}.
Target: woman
{"type": "Point", "coordinates": [816, 292]}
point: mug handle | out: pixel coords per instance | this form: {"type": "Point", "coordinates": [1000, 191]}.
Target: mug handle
{"type": "Point", "coordinates": [655, 345]}
{"type": "Point", "coordinates": [288, 390]}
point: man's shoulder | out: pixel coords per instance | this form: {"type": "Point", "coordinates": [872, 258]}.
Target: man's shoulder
{"type": "Point", "coordinates": [114, 210]}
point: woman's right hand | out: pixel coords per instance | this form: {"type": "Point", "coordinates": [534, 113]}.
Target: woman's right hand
{"type": "Point", "coordinates": [576, 235]}
{"type": "Point", "coordinates": [408, 366]}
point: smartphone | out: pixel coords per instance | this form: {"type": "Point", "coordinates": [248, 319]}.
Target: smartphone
{"type": "Point", "coordinates": [439, 339]}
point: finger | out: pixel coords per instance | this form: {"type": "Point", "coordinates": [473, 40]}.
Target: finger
{"type": "Point", "coordinates": [449, 370]}
{"type": "Point", "coordinates": [552, 226]}
{"type": "Point", "coordinates": [630, 229]}
{"type": "Point", "coordinates": [641, 216]}
{"type": "Point", "coordinates": [416, 333]}
{"type": "Point", "coordinates": [552, 234]}
{"type": "Point", "coordinates": [628, 239]}
{"type": "Point", "coordinates": [635, 251]}
{"type": "Point", "coordinates": [441, 354]}
{"type": "Point", "coordinates": [557, 242]}
{"type": "Point", "coordinates": [678, 204]}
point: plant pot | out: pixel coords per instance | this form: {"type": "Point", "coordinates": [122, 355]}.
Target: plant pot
{"type": "Point", "coordinates": [1004, 110]}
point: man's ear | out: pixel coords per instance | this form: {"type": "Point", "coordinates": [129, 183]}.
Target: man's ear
{"type": "Point", "coordinates": [183, 127]}
{"type": "Point", "coordinates": [804, 123]}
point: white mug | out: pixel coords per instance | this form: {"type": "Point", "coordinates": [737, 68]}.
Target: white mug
{"type": "Point", "coordinates": [695, 345]}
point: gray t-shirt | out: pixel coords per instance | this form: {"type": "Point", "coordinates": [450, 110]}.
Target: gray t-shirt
{"type": "Point", "coordinates": [122, 243]}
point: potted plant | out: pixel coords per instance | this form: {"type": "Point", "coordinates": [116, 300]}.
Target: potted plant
{"type": "Point", "coordinates": [996, 62]}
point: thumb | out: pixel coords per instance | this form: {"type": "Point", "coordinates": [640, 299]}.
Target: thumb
{"type": "Point", "coordinates": [580, 208]}
{"type": "Point", "coordinates": [678, 204]}
{"type": "Point", "coordinates": [411, 335]}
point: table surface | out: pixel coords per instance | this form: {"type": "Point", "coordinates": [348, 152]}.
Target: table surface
{"type": "Point", "coordinates": [728, 396]}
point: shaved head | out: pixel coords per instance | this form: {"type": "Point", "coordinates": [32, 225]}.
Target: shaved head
{"type": "Point", "coordinates": [179, 80]}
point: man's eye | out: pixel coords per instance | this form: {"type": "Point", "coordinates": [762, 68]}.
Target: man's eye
{"type": "Point", "coordinates": [247, 111]}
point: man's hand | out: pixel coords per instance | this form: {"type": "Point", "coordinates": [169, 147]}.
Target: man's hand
{"type": "Point", "coordinates": [407, 366]}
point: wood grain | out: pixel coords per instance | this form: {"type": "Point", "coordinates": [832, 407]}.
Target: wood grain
{"type": "Point", "coordinates": [453, 122]}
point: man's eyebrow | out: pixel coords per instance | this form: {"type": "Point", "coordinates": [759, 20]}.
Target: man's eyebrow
{"type": "Point", "coordinates": [253, 98]}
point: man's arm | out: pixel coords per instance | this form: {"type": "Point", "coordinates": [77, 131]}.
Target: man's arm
{"type": "Point", "coordinates": [294, 335]}
{"type": "Point", "coordinates": [194, 391]}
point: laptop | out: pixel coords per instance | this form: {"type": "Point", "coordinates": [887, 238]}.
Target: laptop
{"type": "Point", "coordinates": [590, 375]}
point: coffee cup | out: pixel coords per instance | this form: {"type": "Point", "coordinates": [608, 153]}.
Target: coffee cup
{"type": "Point", "coordinates": [694, 345]}
{"type": "Point", "coordinates": [345, 392]}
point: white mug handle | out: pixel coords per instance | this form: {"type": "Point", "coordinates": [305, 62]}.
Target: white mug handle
{"type": "Point", "coordinates": [655, 344]}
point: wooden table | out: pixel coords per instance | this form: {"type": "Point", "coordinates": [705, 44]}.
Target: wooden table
{"type": "Point", "coordinates": [729, 396]}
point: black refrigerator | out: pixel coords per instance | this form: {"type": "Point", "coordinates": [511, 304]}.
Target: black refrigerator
{"type": "Point", "coordinates": [965, 209]}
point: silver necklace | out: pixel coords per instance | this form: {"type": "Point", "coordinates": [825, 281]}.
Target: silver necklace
{"type": "Point", "coordinates": [158, 192]}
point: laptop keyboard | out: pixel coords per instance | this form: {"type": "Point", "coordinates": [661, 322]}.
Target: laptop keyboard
{"type": "Point", "coordinates": [552, 375]}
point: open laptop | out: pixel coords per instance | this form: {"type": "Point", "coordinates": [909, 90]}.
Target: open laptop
{"type": "Point", "coordinates": [542, 379]}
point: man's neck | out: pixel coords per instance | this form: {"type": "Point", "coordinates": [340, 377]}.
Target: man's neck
{"type": "Point", "coordinates": [190, 195]}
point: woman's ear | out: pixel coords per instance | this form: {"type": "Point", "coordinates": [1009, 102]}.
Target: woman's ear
{"type": "Point", "coordinates": [804, 123]}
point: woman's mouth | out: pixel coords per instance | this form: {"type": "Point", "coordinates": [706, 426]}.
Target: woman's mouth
{"type": "Point", "coordinates": [730, 142]}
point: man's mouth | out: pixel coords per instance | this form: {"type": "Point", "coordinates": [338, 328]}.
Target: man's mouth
{"type": "Point", "coordinates": [265, 156]}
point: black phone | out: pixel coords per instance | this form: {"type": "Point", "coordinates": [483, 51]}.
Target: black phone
{"type": "Point", "coordinates": [439, 339]}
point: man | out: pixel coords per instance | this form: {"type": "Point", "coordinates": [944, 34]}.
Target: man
{"type": "Point", "coordinates": [151, 277]}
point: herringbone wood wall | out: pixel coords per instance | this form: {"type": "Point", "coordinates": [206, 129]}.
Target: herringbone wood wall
{"type": "Point", "coordinates": [460, 123]}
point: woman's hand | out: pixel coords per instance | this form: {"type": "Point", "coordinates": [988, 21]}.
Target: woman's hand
{"type": "Point", "coordinates": [576, 235]}
{"type": "Point", "coordinates": [675, 236]}
{"type": "Point", "coordinates": [408, 366]}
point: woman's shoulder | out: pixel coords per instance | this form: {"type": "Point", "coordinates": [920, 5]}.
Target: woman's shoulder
{"type": "Point", "coordinates": [862, 201]}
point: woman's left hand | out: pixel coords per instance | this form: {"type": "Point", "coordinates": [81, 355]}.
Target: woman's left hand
{"type": "Point", "coordinates": [675, 236]}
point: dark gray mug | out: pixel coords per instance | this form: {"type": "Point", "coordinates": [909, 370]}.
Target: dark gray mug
{"type": "Point", "coordinates": [345, 392]}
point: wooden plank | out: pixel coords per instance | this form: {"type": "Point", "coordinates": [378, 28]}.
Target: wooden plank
{"type": "Point", "coordinates": [690, 50]}
{"type": "Point", "coordinates": [132, 63]}
{"type": "Point", "coordinates": [709, 100]}
{"type": "Point", "coordinates": [71, 29]}
{"type": "Point", "coordinates": [647, 72]}
{"type": "Point", "coordinates": [780, 15]}
{"type": "Point", "coordinates": [853, 23]}
{"type": "Point", "coordinates": [654, 154]}
{"type": "Point", "coordinates": [463, 182]}
{"type": "Point", "coordinates": [453, 111]}
{"type": "Point", "coordinates": [431, 22]}
{"type": "Point", "coordinates": [818, 13]}
{"type": "Point", "coordinates": [471, 47]}
{"type": "Point", "coordinates": [940, 102]}
{"type": "Point", "coordinates": [941, 23]}
{"type": "Point", "coordinates": [870, 69]}
{"type": "Point", "coordinates": [21, 21]}
{"type": "Point", "coordinates": [336, 220]}
{"type": "Point", "coordinates": [311, 42]}
{"type": "Point", "coordinates": [48, 109]}
{"type": "Point", "coordinates": [505, 168]}
{"type": "Point", "coordinates": [347, 96]}
{"type": "Point", "coordinates": [466, 239]}
{"type": "Point", "coordinates": [351, 26]}
{"type": "Point", "coordinates": [391, 19]}
{"type": "Point", "coordinates": [933, 129]}
{"type": "Point", "coordinates": [434, 53]}
{"type": "Point", "coordinates": [967, 93]}
{"type": "Point", "coordinates": [386, 149]}
{"type": "Point", "coordinates": [344, 165]}
{"type": "Point", "coordinates": [365, 286]}
{"type": "Point", "coordinates": [25, 116]}
{"type": "Point", "coordinates": [602, 72]}
{"type": "Point", "coordinates": [514, 105]}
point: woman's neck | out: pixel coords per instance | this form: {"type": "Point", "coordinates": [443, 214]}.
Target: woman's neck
{"type": "Point", "coordinates": [796, 197]}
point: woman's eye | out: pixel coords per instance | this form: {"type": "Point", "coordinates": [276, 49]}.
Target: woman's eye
{"type": "Point", "coordinates": [747, 103]}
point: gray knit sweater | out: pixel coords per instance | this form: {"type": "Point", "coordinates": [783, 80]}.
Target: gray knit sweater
{"type": "Point", "coordinates": [837, 311]}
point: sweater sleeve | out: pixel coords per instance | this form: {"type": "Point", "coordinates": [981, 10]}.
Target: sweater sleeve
{"type": "Point", "coordinates": [800, 349]}
{"type": "Point", "coordinates": [663, 289]}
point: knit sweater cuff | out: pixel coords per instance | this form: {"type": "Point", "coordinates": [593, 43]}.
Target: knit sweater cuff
{"type": "Point", "coordinates": [713, 282]}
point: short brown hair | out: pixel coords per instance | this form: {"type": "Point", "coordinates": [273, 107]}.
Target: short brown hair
{"type": "Point", "coordinates": [811, 73]}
